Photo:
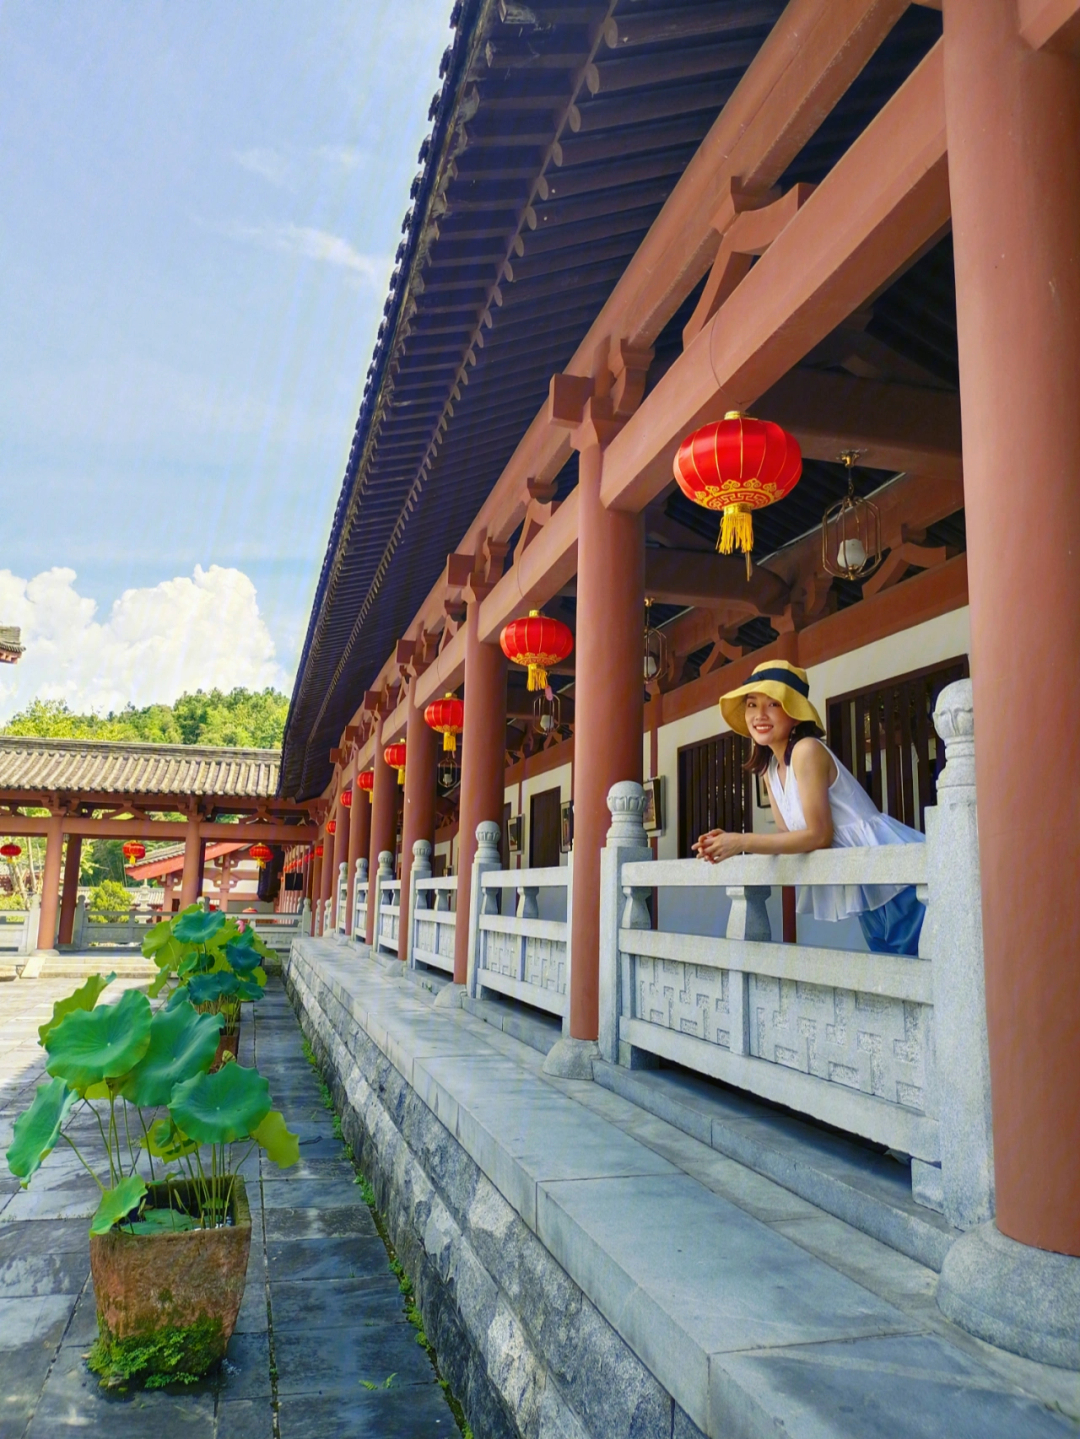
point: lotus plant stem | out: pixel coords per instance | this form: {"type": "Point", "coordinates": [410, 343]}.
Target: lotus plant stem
{"type": "Point", "coordinates": [104, 1139]}
{"type": "Point", "coordinates": [67, 1138]}
{"type": "Point", "coordinates": [127, 1136]}
{"type": "Point", "coordinates": [146, 1136]}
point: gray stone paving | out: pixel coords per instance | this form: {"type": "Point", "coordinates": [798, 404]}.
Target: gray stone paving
{"type": "Point", "coordinates": [321, 1312]}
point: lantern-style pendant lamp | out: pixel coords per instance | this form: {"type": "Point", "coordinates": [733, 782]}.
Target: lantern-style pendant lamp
{"type": "Point", "coordinates": [134, 849]}
{"type": "Point", "coordinates": [655, 655]}
{"type": "Point", "coordinates": [547, 711]}
{"type": "Point", "coordinates": [346, 797]}
{"type": "Point", "coordinates": [10, 851]}
{"type": "Point", "coordinates": [737, 466]}
{"type": "Point", "coordinates": [366, 781]}
{"type": "Point", "coordinates": [446, 717]}
{"type": "Point", "coordinates": [394, 755]}
{"type": "Point", "coordinates": [851, 531]}
{"type": "Point", "coordinates": [331, 826]}
{"type": "Point", "coordinates": [538, 642]}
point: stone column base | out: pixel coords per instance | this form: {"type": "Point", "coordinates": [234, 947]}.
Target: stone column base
{"type": "Point", "coordinates": [449, 997]}
{"type": "Point", "coordinates": [1022, 1299]}
{"type": "Point", "coordinates": [571, 1058]}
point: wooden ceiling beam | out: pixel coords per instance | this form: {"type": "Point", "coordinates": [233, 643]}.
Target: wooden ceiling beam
{"type": "Point", "coordinates": [1051, 25]}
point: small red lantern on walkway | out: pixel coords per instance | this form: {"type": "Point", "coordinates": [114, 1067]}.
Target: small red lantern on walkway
{"type": "Point", "coordinates": [346, 797]}
{"type": "Point", "coordinates": [538, 642]}
{"type": "Point", "coordinates": [737, 466]}
{"type": "Point", "coordinates": [260, 853]}
{"type": "Point", "coordinates": [331, 826]}
{"type": "Point", "coordinates": [446, 717]}
{"type": "Point", "coordinates": [134, 849]}
{"type": "Point", "coordinates": [10, 851]}
{"type": "Point", "coordinates": [318, 851]}
{"type": "Point", "coordinates": [394, 755]}
{"type": "Point", "coordinates": [366, 780]}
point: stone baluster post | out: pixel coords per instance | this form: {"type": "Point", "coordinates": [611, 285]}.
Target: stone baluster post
{"type": "Point", "coordinates": [384, 873]}
{"type": "Point", "coordinates": [952, 939]}
{"type": "Point", "coordinates": [78, 928]}
{"type": "Point", "coordinates": [418, 902]}
{"type": "Point", "coordinates": [528, 905]}
{"type": "Point", "coordinates": [626, 843]}
{"type": "Point", "coordinates": [342, 899]}
{"type": "Point", "coordinates": [360, 882]}
{"type": "Point", "coordinates": [748, 919]}
{"type": "Point", "coordinates": [487, 857]}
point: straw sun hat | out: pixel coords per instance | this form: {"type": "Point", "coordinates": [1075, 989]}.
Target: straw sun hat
{"type": "Point", "coordinates": [780, 681]}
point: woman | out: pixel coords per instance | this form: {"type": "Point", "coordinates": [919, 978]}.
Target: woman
{"type": "Point", "coordinates": [817, 804]}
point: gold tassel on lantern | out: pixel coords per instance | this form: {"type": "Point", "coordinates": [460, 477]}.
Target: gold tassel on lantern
{"type": "Point", "coordinates": [737, 528]}
{"type": "Point", "coordinates": [449, 743]}
{"type": "Point", "coordinates": [538, 678]}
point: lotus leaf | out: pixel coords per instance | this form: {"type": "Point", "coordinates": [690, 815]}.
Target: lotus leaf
{"type": "Point", "coordinates": [85, 997]}
{"type": "Point", "coordinates": [242, 955]}
{"type": "Point", "coordinates": [280, 1144]}
{"type": "Point", "coordinates": [223, 1107]}
{"type": "Point", "coordinates": [182, 1043]}
{"type": "Point", "coordinates": [37, 1131]}
{"type": "Point", "coordinates": [206, 988]}
{"type": "Point", "coordinates": [157, 938]}
{"type": "Point", "coordinates": [198, 926]}
{"type": "Point", "coordinates": [118, 1202]}
{"type": "Point", "coordinates": [104, 1043]}
{"type": "Point", "coordinates": [163, 1221]}
{"type": "Point", "coordinates": [165, 1141]}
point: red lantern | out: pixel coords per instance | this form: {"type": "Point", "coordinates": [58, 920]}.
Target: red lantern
{"type": "Point", "coordinates": [346, 798]}
{"type": "Point", "coordinates": [260, 853]}
{"type": "Point", "coordinates": [446, 717]}
{"type": "Point", "coordinates": [318, 851]}
{"type": "Point", "coordinates": [394, 755]}
{"type": "Point", "coordinates": [538, 642]}
{"type": "Point", "coordinates": [331, 826]}
{"type": "Point", "coordinates": [10, 851]}
{"type": "Point", "coordinates": [366, 781]}
{"type": "Point", "coordinates": [738, 466]}
{"type": "Point", "coordinates": [134, 849]}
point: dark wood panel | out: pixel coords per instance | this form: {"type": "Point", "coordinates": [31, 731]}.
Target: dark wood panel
{"type": "Point", "coordinates": [714, 791]}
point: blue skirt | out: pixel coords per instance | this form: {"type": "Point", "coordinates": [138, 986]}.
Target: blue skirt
{"type": "Point", "coordinates": [894, 928]}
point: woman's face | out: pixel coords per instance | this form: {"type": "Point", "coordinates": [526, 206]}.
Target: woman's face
{"type": "Point", "coordinates": [767, 720]}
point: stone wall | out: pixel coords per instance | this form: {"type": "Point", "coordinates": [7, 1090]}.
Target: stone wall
{"type": "Point", "coordinates": [523, 1348]}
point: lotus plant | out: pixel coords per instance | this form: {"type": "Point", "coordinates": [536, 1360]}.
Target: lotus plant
{"type": "Point", "coordinates": [208, 959]}
{"type": "Point", "coordinates": [163, 1118]}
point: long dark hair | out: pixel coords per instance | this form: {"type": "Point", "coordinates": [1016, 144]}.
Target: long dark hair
{"type": "Point", "coordinates": [761, 754]}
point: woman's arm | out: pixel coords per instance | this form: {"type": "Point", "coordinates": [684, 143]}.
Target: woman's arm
{"type": "Point", "coordinates": [813, 769]}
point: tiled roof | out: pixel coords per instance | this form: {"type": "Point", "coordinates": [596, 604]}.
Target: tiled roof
{"type": "Point", "coordinates": [105, 766]}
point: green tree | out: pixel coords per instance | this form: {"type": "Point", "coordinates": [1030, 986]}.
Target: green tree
{"type": "Point", "coordinates": [246, 718]}
{"type": "Point", "coordinates": [109, 896]}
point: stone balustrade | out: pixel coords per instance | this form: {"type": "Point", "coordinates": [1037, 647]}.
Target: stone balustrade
{"type": "Point", "coordinates": [889, 1048]}
{"type": "Point", "coordinates": [432, 913]}
{"type": "Point", "coordinates": [341, 928]}
{"type": "Point", "coordinates": [361, 889]}
{"type": "Point", "coordinates": [387, 906]}
{"type": "Point", "coordinates": [519, 955]}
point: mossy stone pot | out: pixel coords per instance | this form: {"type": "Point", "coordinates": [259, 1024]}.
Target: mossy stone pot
{"type": "Point", "coordinates": [167, 1303]}
{"type": "Point", "coordinates": [227, 1044]}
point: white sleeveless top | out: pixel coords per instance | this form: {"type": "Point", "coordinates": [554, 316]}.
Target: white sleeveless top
{"type": "Point", "coordinates": [856, 821]}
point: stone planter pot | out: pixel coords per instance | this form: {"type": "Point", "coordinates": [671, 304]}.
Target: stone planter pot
{"type": "Point", "coordinates": [167, 1303]}
{"type": "Point", "coordinates": [227, 1044]}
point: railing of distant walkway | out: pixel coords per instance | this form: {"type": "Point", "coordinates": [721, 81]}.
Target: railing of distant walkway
{"type": "Point", "coordinates": [278, 930]}
{"type": "Point", "coordinates": [340, 927]}
{"type": "Point", "coordinates": [361, 891]}
{"type": "Point", "coordinates": [521, 954]}
{"type": "Point", "coordinates": [19, 928]}
{"type": "Point", "coordinates": [387, 906]}
{"type": "Point", "coordinates": [888, 1048]}
{"type": "Point", "coordinates": [432, 913]}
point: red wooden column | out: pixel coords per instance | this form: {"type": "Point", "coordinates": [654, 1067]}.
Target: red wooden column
{"type": "Point", "coordinates": [609, 696]}
{"type": "Point", "coordinates": [50, 883]}
{"type": "Point", "coordinates": [418, 820]}
{"type": "Point", "coordinates": [359, 842]}
{"type": "Point", "coordinates": [316, 882]}
{"type": "Point", "coordinates": [341, 839]}
{"type": "Point", "coordinates": [70, 896]}
{"type": "Point", "coordinates": [383, 820]}
{"type": "Point", "coordinates": [1013, 117]}
{"type": "Point", "coordinates": [326, 881]}
{"type": "Point", "coordinates": [483, 764]}
{"type": "Point", "coordinates": [191, 882]}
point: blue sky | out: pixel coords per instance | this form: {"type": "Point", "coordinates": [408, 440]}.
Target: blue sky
{"type": "Point", "coordinates": [199, 206]}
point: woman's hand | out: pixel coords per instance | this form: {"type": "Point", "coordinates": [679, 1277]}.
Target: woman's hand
{"type": "Point", "coordinates": [718, 845]}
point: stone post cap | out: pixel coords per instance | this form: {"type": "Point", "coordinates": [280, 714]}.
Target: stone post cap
{"type": "Point", "coordinates": [386, 859]}
{"type": "Point", "coordinates": [361, 866]}
{"type": "Point", "coordinates": [626, 797]}
{"type": "Point", "coordinates": [626, 803]}
{"type": "Point", "coordinates": [421, 849]}
{"type": "Point", "coordinates": [954, 713]}
{"type": "Point", "coordinates": [488, 832]}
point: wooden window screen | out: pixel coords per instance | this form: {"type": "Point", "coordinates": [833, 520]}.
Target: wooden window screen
{"type": "Point", "coordinates": [885, 735]}
{"type": "Point", "coordinates": [714, 789]}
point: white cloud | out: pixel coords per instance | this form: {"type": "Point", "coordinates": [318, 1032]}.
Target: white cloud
{"type": "Point", "coordinates": [286, 167]}
{"type": "Point", "coordinates": [318, 245]}
{"type": "Point", "coordinates": [182, 634]}
{"type": "Point", "coordinates": [272, 165]}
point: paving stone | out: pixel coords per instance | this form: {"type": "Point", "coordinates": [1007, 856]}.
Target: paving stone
{"type": "Point", "coordinates": [409, 1412]}
{"type": "Point", "coordinates": [324, 1258]}
{"type": "Point", "coordinates": [22, 1374]}
{"type": "Point", "coordinates": [39, 1319]}
{"type": "Point", "coordinates": [45, 1236]}
{"type": "Point", "coordinates": [337, 1360]}
{"type": "Point", "coordinates": [245, 1371]}
{"type": "Point", "coordinates": [361, 1302]}
{"type": "Point", "coordinates": [247, 1419]}
{"type": "Point", "coordinates": [34, 1272]}
{"type": "Point", "coordinates": [330, 1192]}
{"type": "Point", "coordinates": [352, 1221]}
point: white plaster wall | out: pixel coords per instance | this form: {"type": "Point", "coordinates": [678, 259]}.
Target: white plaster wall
{"type": "Point", "coordinates": [562, 778]}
